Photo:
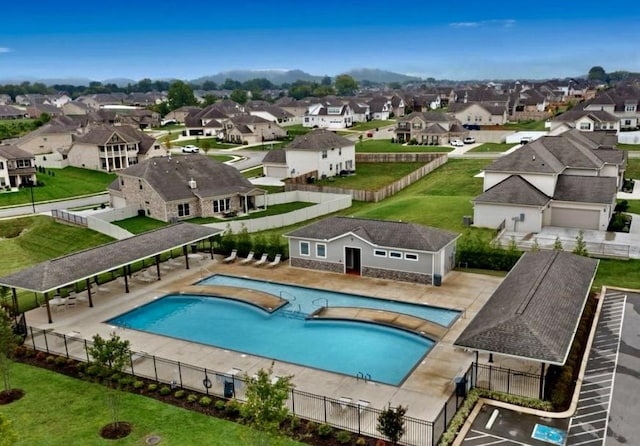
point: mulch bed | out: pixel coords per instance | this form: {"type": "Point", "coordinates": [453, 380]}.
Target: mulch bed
{"type": "Point", "coordinates": [302, 430]}
{"type": "Point", "coordinates": [11, 395]}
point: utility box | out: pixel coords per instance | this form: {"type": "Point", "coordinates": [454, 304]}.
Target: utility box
{"type": "Point", "coordinates": [437, 280]}
{"type": "Point", "coordinates": [229, 389]}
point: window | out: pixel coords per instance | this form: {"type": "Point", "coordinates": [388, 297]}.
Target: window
{"type": "Point", "coordinates": [23, 163]}
{"type": "Point", "coordinates": [1, 165]}
{"type": "Point", "coordinates": [304, 248]}
{"type": "Point", "coordinates": [221, 205]}
{"type": "Point", "coordinates": [183, 210]}
{"type": "Point", "coordinates": [330, 166]}
{"type": "Point", "coordinates": [140, 184]}
{"type": "Point", "coordinates": [321, 250]}
{"type": "Point", "coordinates": [324, 154]}
{"type": "Point", "coordinates": [630, 108]}
{"type": "Point", "coordinates": [379, 253]}
{"type": "Point", "coordinates": [627, 122]}
{"type": "Point", "coordinates": [410, 256]}
{"type": "Point", "coordinates": [395, 254]}
{"type": "Point", "coordinates": [585, 126]}
{"type": "Point", "coordinates": [340, 151]}
{"type": "Point", "coordinates": [121, 181]}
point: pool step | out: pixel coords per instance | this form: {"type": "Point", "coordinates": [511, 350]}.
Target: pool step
{"type": "Point", "coordinates": [292, 314]}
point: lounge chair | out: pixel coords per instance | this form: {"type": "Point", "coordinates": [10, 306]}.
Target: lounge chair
{"type": "Point", "coordinates": [248, 259]}
{"type": "Point", "coordinates": [275, 262]}
{"type": "Point", "coordinates": [264, 259]}
{"type": "Point", "coordinates": [232, 257]}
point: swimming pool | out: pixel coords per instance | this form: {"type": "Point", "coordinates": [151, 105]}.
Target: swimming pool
{"type": "Point", "coordinates": [387, 355]}
{"type": "Point", "coordinates": [384, 354]}
{"type": "Point", "coordinates": [307, 300]}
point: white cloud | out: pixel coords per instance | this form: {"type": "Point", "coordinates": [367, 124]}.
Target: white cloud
{"type": "Point", "coordinates": [5, 50]}
{"type": "Point", "coordinates": [465, 24]}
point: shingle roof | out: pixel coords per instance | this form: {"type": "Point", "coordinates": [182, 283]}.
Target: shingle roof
{"type": "Point", "coordinates": [276, 156]}
{"type": "Point", "coordinates": [10, 152]}
{"type": "Point", "coordinates": [575, 114]}
{"type": "Point", "coordinates": [390, 234]}
{"type": "Point", "coordinates": [101, 134]}
{"type": "Point", "coordinates": [62, 271]}
{"type": "Point", "coordinates": [317, 140]}
{"type": "Point", "coordinates": [585, 189]}
{"type": "Point", "coordinates": [532, 157]}
{"type": "Point", "coordinates": [513, 190]}
{"type": "Point", "coordinates": [534, 312]}
{"type": "Point", "coordinates": [170, 176]}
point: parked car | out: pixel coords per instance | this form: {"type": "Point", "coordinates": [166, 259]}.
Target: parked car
{"type": "Point", "coordinates": [526, 139]}
{"type": "Point", "coordinates": [370, 135]}
{"type": "Point", "coordinates": [471, 126]}
{"type": "Point", "coordinates": [456, 143]}
{"type": "Point", "coordinates": [190, 149]}
{"type": "Point", "coordinates": [469, 140]}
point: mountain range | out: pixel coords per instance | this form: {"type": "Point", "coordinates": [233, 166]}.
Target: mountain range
{"type": "Point", "coordinates": [277, 77]}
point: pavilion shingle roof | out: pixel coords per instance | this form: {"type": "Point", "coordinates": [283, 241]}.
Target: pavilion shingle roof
{"type": "Point", "coordinates": [535, 311]}
{"type": "Point", "coordinates": [66, 270]}
{"type": "Point", "coordinates": [390, 234]}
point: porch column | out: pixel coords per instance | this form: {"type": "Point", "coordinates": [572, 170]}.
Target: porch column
{"type": "Point", "coordinates": [46, 299]}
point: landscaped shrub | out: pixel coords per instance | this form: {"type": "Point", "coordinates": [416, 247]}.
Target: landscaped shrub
{"type": "Point", "coordinates": [125, 381]}
{"type": "Point", "coordinates": [179, 394]}
{"type": "Point", "coordinates": [60, 361]}
{"type": "Point", "coordinates": [312, 426]}
{"type": "Point", "coordinates": [192, 398]}
{"type": "Point", "coordinates": [219, 405]}
{"type": "Point", "coordinates": [232, 408]}
{"type": "Point", "coordinates": [152, 387]}
{"type": "Point", "coordinates": [343, 437]}
{"type": "Point", "coordinates": [243, 242]}
{"type": "Point", "coordinates": [361, 442]}
{"type": "Point", "coordinates": [93, 370]}
{"type": "Point", "coordinates": [324, 430]}
{"type": "Point", "coordinates": [294, 423]}
{"type": "Point", "coordinates": [205, 401]}
{"type": "Point", "coordinates": [40, 356]}
{"type": "Point", "coordinates": [50, 359]}
{"type": "Point", "coordinates": [260, 244]}
{"type": "Point", "coordinates": [165, 390]}
{"type": "Point", "coordinates": [138, 384]}
{"type": "Point", "coordinates": [475, 250]}
{"type": "Point", "coordinates": [20, 351]}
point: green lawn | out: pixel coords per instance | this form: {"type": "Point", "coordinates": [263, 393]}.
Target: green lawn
{"type": "Point", "coordinates": [12, 128]}
{"type": "Point", "coordinates": [204, 144]}
{"type": "Point", "coordinates": [138, 225]}
{"type": "Point", "coordinates": [252, 173]}
{"type": "Point", "coordinates": [633, 169]}
{"type": "Point", "coordinates": [524, 125]}
{"type": "Point", "coordinates": [275, 209]}
{"type": "Point", "coordinates": [58, 184]}
{"type": "Point", "coordinates": [372, 176]}
{"type": "Point", "coordinates": [492, 147]}
{"type": "Point", "coordinates": [620, 273]}
{"type": "Point", "coordinates": [296, 130]}
{"type": "Point", "coordinates": [221, 158]}
{"type": "Point", "coordinates": [629, 147]}
{"type": "Point", "coordinates": [386, 146]}
{"type": "Point", "coordinates": [374, 124]}
{"type": "Point", "coordinates": [59, 410]}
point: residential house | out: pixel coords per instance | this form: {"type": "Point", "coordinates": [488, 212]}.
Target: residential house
{"type": "Point", "coordinates": [249, 129]}
{"type": "Point", "coordinates": [328, 115]}
{"type": "Point", "coordinates": [50, 141]}
{"type": "Point", "coordinates": [569, 180]}
{"type": "Point", "coordinates": [37, 109]}
{"type": "Point", "coordinates": [398, 105]}
{"type": "Point", "coordinates": [380, 108]}
{"type": "Point", "coordinates": [5, 99]}
{"type": "Point", "coordinates": [295, 107]}
{"type": "Point", "coordinates": [184, 187]}
{"type": "Point", "coordinates": [206, 121]}
{"type": "Point", "coordinates": [180, 114]}
{"type": "Point", "coordinates": [478, 113]}
{"type": "Point", "coordinates": [432, 128]}
{"type": "Point", "coordinates": [17, 167]}
{"type": "Point", "coordinates": [96, 101]}
{"type": "Point", "coordinates": [76, 108]}
{"type": "Point", "coordinates": [361, 110]}
{"type": "Point", "coordinates": [586, 121]}
{"type": "Point", "coordinates": [111, 148]}
{"type": "Point", "coordinates": [272, 113]}
{"type": "Point", "coordinates": [10, 112]}
{"type": "Point", "coordinates": [622, 102]}
{"type": "Point", "coordinates": [374, 248]}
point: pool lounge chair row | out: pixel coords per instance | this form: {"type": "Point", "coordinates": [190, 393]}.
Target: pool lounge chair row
{"type": "Point", "coordinates": [264, 260]}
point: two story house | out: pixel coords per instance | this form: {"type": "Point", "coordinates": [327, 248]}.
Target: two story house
{"type": "Point", "coordinates": [332, 115]}
{"type": "Point", "coordinates": [569, 180]}
{"type": "Point", "coordinates": [432, 128]}
{"type": "Point", "coordinates": [17, 167]}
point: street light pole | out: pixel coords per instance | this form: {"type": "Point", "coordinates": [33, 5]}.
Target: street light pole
{"type": "Point", "coordinates": [33, 203]}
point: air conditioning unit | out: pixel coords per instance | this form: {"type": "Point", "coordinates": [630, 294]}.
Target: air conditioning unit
{"type": "Point", "coordinates": [467, 220]}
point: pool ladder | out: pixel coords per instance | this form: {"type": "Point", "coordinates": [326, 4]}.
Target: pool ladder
{"type": "Point", "coordinates": [366, 377]}
{"type": "Point", "coordinates": [326, 302]}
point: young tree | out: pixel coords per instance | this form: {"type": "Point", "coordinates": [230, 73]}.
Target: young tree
{"type": "Point", "coordinates": [346, 85]}
{"type": "Point", "coordinates": [264, 409]}
{"type": "Point", "coordinates": [8, 343]}
{"type": "Point", "coordinates": [581, 245]}
{"type": "Point", "coordinates": [179, 95]}
{"type": "Point", "coordinates": [391, 423]}
{"type": "Point", "coordinates": [243, 241]}
{"type": "Point", "coordinates": [111, 356]}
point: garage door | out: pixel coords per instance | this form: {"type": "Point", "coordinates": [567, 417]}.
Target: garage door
{"type": "Point", "coordinates": [575, 218]}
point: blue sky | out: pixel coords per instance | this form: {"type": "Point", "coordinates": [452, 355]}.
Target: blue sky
{"type": "Point", "coordinates": [445, 40]}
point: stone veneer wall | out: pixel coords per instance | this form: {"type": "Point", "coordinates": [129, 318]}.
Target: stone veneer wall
{"type": "Point", "coordinates": [317, 265]}
{"type": "Point", "coordinates": [403, 276]}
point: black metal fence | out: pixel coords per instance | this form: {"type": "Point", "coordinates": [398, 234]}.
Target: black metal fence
{"type": "Point", "coordinates": [355, 416]}
{"type": "Point", "coordinates": [509, 381]}
{"type": "Point", "coordinates": [68, 217]}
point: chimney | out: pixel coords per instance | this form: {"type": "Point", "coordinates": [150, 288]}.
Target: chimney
{"type": "Point", "coordinates": [192, 184]}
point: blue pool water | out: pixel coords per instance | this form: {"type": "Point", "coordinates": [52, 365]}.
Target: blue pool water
{"type": "Point", "coordinates": [386, 354]}
{"type": "Point", "coordinates": [308, 300]}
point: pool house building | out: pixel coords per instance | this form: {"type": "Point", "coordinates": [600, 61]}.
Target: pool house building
{"type": "Point", "coordinates": [374, 248]}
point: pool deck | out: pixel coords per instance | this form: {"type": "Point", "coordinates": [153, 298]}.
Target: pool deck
{"type": "Point", "coordinates": [424, 391]}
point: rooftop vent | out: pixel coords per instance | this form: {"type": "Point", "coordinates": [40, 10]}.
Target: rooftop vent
{"type": "Point", "coordinates": [192, 184]}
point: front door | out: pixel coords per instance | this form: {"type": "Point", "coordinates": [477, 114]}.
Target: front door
{"type": "Point", "coordinates": [352, 260]}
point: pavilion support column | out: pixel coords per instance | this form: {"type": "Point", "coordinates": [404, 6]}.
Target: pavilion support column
{"type": "Point", "coordinates": [88, 281]}
{"type": "Point", "coordinates": [475, 369]}
{"type": "Point", "coordinates": [158, 265]}
{"type": "Point", "coordinates": [125, 271]}
{"type": "Point", "coordinates": [541, 396]}
{"type": "Point", "coordinates": [211, 246]}
{"type": "Point", "coordinates": [46, 299]}
{"type": "Point", "coordinates": [185, 250]}
{"type": "Point", "coordinates": [16, 308]}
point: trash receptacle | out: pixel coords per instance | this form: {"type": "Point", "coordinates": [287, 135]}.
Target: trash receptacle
{"type": "Point", "coordinates": [461, 386]}
{"type": "Point", "coordinates": [228, 389]}
{"type": "Point", "coordinates": [194, 248]}
{"type": "Point", "coordinates": [437, 280]}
